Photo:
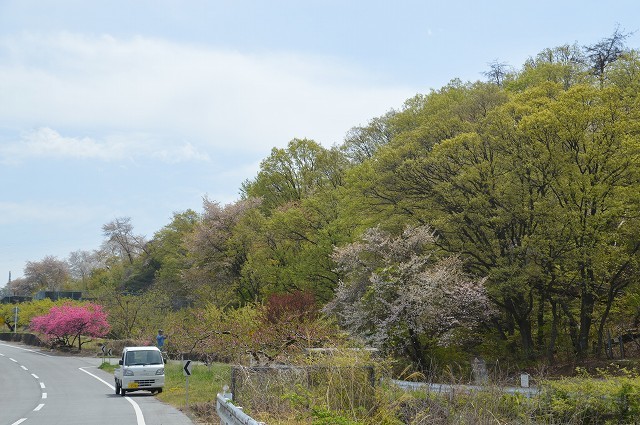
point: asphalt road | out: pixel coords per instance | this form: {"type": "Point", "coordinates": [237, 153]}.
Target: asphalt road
{"type": "Point", "coordinates": [37, 388]}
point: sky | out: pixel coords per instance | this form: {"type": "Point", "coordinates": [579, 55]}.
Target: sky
{"type": "Point", "coordinates": [141, 109]}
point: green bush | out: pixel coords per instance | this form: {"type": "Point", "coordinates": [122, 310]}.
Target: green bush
{"type": "Point", "coordinates": [584, 399]}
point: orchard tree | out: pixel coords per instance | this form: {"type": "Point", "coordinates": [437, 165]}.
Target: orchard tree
{"type": "Point", "coordinates": [257, 333]}
{"type": "Point", "coordinates": [67, 323]}
{"type": "Point", "coordinates": [27, 311]}
{"type": "Point", "coordinates": [397, 296]}
{"type": "Point", "coordinates": [137, 316]}
{"type": "Point", "coordinates": [288, 324]}
{"type": "Point", "coordinates": [212, 333]}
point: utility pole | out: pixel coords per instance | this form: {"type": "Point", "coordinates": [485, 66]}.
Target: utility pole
{"type": "Point", "coordinates": [15, 319]}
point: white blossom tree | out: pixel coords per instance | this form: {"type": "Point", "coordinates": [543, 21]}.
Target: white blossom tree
{"type": "Point", "coordinates": [47, 274]}
{"type": "Point", "coordinates": [396, 296]}
{"type": "Point", "coordinates": [121, 241]}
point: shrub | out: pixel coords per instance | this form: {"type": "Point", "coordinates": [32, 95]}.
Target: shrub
{"type": "Point", "coordinates": [67, 323]}
{"type": "Point", "coordinates": [592, 400]}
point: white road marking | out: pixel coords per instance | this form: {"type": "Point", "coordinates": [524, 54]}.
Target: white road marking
{"type": "Point", "coordinates": [24, 368]}
{"type": "Point", "coordinates": [19, 421]}
{"type": "Point", "coordinates": [40, 406]}
{"type": "Point", "coordinates": [44, 395]}
{"type": "Point", "coordinates": [35, 376]}
{"type": "Point", "coordinates": [42, 385]}
{"type": "Point", "coordinates": [13, 360]}
{"type": "Point", "coordinates": [136, 408]}
{"type": "Point", "coordinates": [25, 349]}
{"type": "Point", "coordinates": [1, 355]}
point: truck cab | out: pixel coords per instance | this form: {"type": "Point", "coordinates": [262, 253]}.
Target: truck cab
{"type": "Point", "coordinates": [141, 368]}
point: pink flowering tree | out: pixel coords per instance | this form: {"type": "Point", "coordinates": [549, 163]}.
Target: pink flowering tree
{"type": "Point", "coordinates": [66, 324]}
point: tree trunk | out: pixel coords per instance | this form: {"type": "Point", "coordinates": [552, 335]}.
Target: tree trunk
{"type": "Point", "coordinates": [587, 302]}
{"type": "Point", "coordinates": [417, 351]}
{"type": "Point", "coordinates": [540, 320]}
{"type": "Point", "coordinates": [603, 321]}
{"type": "Point", "coordinates": [526, 336]}
{"type": "Point", "coordinates": [573, 324]}
{"type": "Point", "coordinates": [520, 310]}
{"type": "Point", "coordinates": [551, 348]}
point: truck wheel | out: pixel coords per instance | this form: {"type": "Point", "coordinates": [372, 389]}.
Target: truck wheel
{"type": "Point", "coordinates": [122, 391]}
{"type": "Point", "coordinates": [117, 388]}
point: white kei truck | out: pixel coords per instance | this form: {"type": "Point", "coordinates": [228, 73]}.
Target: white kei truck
{"type": "Point", "coordinates": [141, 368]}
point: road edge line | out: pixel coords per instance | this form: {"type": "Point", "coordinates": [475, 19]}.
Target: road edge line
{"type": "Point", "coordinates": [136, 407]}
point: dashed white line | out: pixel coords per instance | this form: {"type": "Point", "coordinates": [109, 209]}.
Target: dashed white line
{"type": "Point", "coordinates": [35, 376]}
{"type": "Point", "coordinates": [42, 385]}
{"type": "Point", "coordinates": [23, 368]}
{"type": "Point", "coordinates": [40, 406]}
{"type": "Point", "coordinates": [13, 360]}
{"type": "Point", "coordinates": [19, 421]}
{"type": "Point", "coordinates": [44, 395]}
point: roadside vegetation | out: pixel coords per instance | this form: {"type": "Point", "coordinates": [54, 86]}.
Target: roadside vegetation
{"type": "Point", "coordinates": [494, 220]}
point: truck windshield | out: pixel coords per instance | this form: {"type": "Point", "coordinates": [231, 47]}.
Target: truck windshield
{"type": "Point", "coordinates": [143, 357]}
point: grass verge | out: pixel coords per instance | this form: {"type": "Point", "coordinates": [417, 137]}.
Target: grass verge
{"type": "Point", "coordinates": [204, 383]}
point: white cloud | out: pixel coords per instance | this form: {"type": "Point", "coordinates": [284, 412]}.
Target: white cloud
{"type": "Point", "coordinates": [214, 98]}
{"type": "Point", "coordinates": [184, 153]}
{"type": "Point", "coordinates": [45, 142]}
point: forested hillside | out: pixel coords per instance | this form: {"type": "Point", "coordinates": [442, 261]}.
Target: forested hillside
{"type": "Point", "coordinates": [496, 218]}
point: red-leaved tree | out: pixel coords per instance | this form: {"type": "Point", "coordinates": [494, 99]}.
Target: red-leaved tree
{"type": "Point", "coordinates": [67, 323]}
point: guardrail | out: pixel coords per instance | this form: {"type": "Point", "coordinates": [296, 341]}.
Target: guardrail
{"type": "Point", "coordinates": [230, 414]}
{"type": "Point", "coordinates": [447, 389]}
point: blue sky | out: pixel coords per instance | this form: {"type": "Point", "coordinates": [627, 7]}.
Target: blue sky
{"type": "Point", "coordinates": [141, 108]}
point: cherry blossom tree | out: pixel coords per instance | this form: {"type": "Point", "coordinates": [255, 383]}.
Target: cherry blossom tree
{"type": "Point", "coordinates": [395, 295]}
{"type": "Point", "coordinates": [67, 323]}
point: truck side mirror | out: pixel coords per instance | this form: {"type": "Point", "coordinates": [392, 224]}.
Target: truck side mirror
{"type": "Point", "coordinates": [120, 362]}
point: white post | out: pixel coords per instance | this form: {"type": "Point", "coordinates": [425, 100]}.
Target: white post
{"type": "Point", "coordinates": [15, 320]}
{"type": "Point", "coordinates": [187, 392]}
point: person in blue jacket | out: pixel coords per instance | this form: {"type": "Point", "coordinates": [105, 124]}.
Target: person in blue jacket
{"type": "Point", "coordinates": [160, 339]}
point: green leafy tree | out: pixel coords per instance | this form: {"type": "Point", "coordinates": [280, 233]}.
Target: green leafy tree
{"type": "Point", "coordinates": [530, 191]}
{"type": "Point", "coordinates": [169, 250]}
{"type": "Point", "coordinates": [292, 174]}
{"type": "Point", "coordinates": [292, 251]}
{"type": "Point", "coordinates": [135, 316]}
{"type": "Point", "coordinates": [27, 311]}
{"type": "Point", "coordinates": [361, 143]}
